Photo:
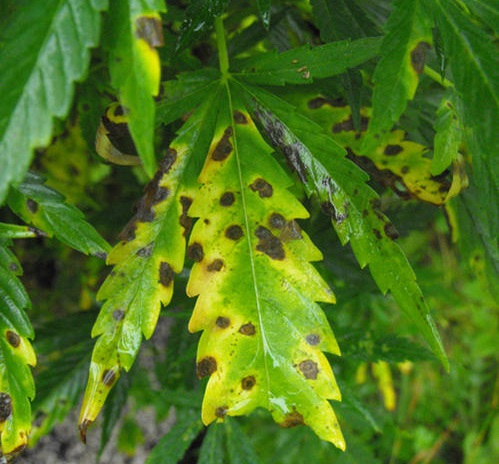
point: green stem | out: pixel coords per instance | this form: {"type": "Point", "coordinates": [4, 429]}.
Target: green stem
{"type": "Point", "coordinates": [223, 56]}
{"type": "Point", "coordinates": [437, 77]}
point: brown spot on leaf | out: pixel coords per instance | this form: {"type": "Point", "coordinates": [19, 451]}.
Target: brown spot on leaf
{"type": "Point", "coordinates": [108, 377]}
{"type": "Point", "coordinates": [13, 338]}
{"type": "Point", "coordinates": [418, 56]}
{"type": "Point", "coordinates": [269, 244]}
{"type": "Point", "coordinates": [313, 339]}
{"type": "Point", "coordinates": [290, 231]}
{"type": "Point", "coordinates": [206, 367]}
{"type": "Point", "coordinates": [224, 146]}
{"type": "Point", "coordinates": [185, 220]}
{"type": "Point", "coordinates": [222, 322]}
{"type": "Point", "coordinates": [149, 29]}
{"type": "Point", "coordinates": [391, 231]}
{"type": "Point", "coordinates": [5, 406]}
{"type": "Point", "coordinates": [32, 205]}
{"type": "Point", "coordinates": [234, 232]}
{"type": "Point", "coordinates": [240, 118]}
{"type": "Point", "coordinates": [405, 169]}
{"type": "Point", "coordinates": [277, 221]}
{"type": "Point", "coordinates": [168, 160]}
{"type": "Point", "coordinates": [392, 150]}
{"type": "Point", "coordinates": [145, 252]}
{"type": "Point", "coordinates": [309, 369]}
{"type": "Point", "coordinates": [263, 188]}
{"type": "Point", "coordinates": [348, 125]}
{"type": "Point", "coordinates": [248, 382]}
{"type": "Point", "coordinates": [247, 329]}
{"type": "Point", "coordinates": [195, 252]}
{"type": "Point", "coordinates": [221, 411]}
{"type": "Point", "coordinates": [83, 427]}
{"type": "Point", "coordinates": [165, 274]}
{"type": "Point", "coordinates": [227, 199]}
{"type": "Point", "coordinates": [118, 314]}
{"type": "Point", "coordinates": [292, 419]}
{"type": "Point", "coordinates": [215, 266]}
{"type": "Point", "coordinates": [377, 234]}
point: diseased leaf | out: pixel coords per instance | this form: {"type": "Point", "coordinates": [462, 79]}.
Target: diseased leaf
{"type": "Point", "coordinates": [172, 446]}
{"type": "Point", "coordinates": [16, 355]}
{"type": "Point", "coordinates": [263, 334]}
{"type": "Point", "coordinates": [46, 209]}
{"type": "Point", "coordinates": [302, 65]}
{"type": "Point", "coordinates": [53, 37]}
{"type": "Point", "coordinates": [135, 33]}
{"type": "Point", "coordinates": [339, 186]}
{"type": "Point", "coordinates": [397, 74]}
{"type": "Point", "coordinates": [150, 253]}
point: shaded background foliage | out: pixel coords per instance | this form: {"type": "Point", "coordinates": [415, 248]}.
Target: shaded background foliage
{"type": "Point", "coordinates": [398, 403]}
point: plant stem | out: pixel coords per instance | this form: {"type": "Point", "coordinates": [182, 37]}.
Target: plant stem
{"type": "Point", "coordinates": [223, 56]}
{"type": "Point", "coordinates": [437, 77]}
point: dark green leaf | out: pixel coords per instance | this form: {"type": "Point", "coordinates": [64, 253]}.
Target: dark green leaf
{"type": "Point", "coordinates": [302, 65]}
{"type": "Point", "coordinates": [239, 448]}
{"type": "Point", "coordinates": [53, 38]}
{"type": "Point", "coordinates": [200, 16]}
{"type": "Point", "coordinates": [487, 11]}
{"type": "Point", "coordinates": [212, 449]}
{"type": "Point", "coordinates": [172, 446]}
{"type": "Point", "coordinates": [45, 208]}
{"type": "Point", "coordinates": [264, 10]}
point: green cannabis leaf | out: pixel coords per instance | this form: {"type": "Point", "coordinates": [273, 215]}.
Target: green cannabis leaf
{"type": "Point", "coordinates": [40, 87]}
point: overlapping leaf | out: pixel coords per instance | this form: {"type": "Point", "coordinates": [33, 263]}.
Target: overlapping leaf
{"type": "Point", "coordinates": [46, 209]}
{"type": "Point", "coordinates": [135, 32]}
{"type": "Point", "coordinates": [150, 253]}
{"type": "Point", "coordinates": [339, 185]}
{"type": "Point", "coordinates": [54, 38]}
{"type": "Point", "coordinates": [263, 332]}
{"type": "Point", "coordinates": [397, 74]}
{"type": "Point", "coordinates": [399, 163]}
{"type": "Point", "coordinates": [16, 355]}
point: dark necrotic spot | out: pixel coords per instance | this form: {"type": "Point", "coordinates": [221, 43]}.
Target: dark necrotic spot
{"type": "Point", "coordinates": [224, 147]}
{"type": "Point", "coordinates": [108, 377]}
{"type": "Point", "coordinates": [227, 199]}
{"type": "Point", "coordinates": [392, 150]}
{"type": "Point", "coordinates": [328, 208]}
{"type": "Point", "coordinates": [240, 118]}
{"type": "Point", "coordinates": [5, 406]}
{"type": "Point", "coordinates": [222, 322]}
{"type": "Point", "coordinates": [215, 266]}
{"type": "Point", "coordinates": [118, 314]}
{"type": "Point", "coordinates": [13, 267]}
{"type": "Point", "coordinates": [32, 205]}
{"type": "Point", "coordinates": [292, 419]}
{"type": "Point", "coordinates": [221, 411]}
{"type": "Point", "coordinates": [248, 382]}
{"type": "Point", "coordinates": [269, 244]}
{"type": "Point", "coordinates": [390, 231]}
{"type": "Point", "coordinates": [168, 161]}
{"type": "Point", "coordinates": [165, 274]}
{"type": "Point", "coordinates": [309, 369]}
{"type": "Point", "coordinates": [418, 56]}
{"type": "Point", "coordinates": [316, 103]}
{"type": "Point", "coordinates": [277, 221]}
{"type": "Point", "coordinates": [13, 338]}
{"type": "Point", "coordinates": [206, 367]}
{"type": "Point", "coordinates": [195, 252]}
{"type": "Point", "coordinates": [405, 169]}
{"type": "Point", "coordinates": [263, 188]}
{"type": "Point", "coordinates": [145, 252]}
{"type": "Point", "coordinates": [185, 220]}
{"type": "Point", "coordinates": [234, 232]}
{"type": "Point", "coordinates": [349, 126]}
{"type": "Point", "coordinates": [313, 339]}
{"type": "Point", "coordinates": [377, 234]}
{"type": "Point", "coordinates": [247, 329]}
{"type": "Point", "coordinates": [150, 30]}
{"type": "Point", "coordinates": [118, 110]}
{"type": "Point", "coordinates": [160, 194]}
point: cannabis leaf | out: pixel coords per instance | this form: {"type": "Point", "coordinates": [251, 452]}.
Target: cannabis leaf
{"type": "Point", "coordinates": [39, 87]}
{"type": "Point", "coordinates": [135, 32]}
{"type": "Point", "coordinates": [263, 334]}
{"type": "Point", "coordinates": [151, 251]}
{"type": "Point", "coordinates": [16, 353]}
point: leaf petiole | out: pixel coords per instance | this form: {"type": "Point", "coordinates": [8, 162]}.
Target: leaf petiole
{"type": "Point", "coordinates": [223, 56]}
